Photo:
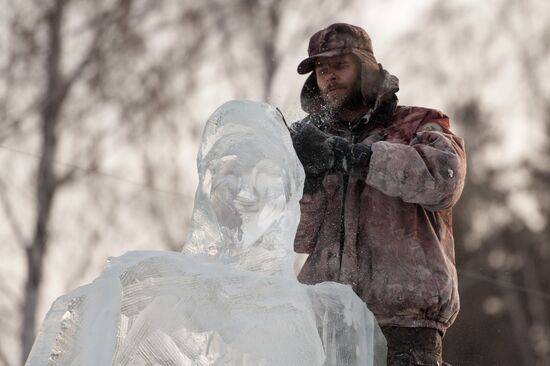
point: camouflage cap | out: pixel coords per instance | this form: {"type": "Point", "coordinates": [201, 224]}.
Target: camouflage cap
{"type": "Point", "coordinates": [338, 39]}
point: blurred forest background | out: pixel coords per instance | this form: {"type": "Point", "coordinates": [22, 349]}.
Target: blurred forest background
{"type": "Point", "coordinates": [102, 105]}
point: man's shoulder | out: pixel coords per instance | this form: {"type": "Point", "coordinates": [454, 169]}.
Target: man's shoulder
{"type": "Point", "coordinates": [413, 117]}
{"type": "Point", "coordinates": [306, 119]}
{"type": "Point", "coordinates": [309, 119]}
{"type": "Point", "coordinates": [405, 112]}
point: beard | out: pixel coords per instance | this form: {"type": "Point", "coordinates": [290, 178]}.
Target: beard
{"type": "Point", "coordinates": [351, 101]}
{"type": "Point", "coordinates": [354, 99]}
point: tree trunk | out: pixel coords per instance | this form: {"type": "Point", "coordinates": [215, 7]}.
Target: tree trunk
{"type": "Point", "coordinates": [46, 181]}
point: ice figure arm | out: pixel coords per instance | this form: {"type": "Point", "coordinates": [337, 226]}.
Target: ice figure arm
{"type": "Point", "coordinates": [299, 261]}
{"type": "Point", "coordinates": [348, 329]}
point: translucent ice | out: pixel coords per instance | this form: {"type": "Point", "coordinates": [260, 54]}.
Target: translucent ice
{"type": "Point", "coordinates": [231, 297]}
{"type": "Point", "coordinates": [247, 204]}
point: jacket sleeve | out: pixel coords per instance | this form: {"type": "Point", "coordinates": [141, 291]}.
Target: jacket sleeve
{"type": "Point", "coordinates": [312, 208]}
{"type": "Point", "coordinates": [430, 171]}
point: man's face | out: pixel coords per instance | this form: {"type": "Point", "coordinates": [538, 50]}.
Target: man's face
{"type": "Point", "coordinates": [338, 79]}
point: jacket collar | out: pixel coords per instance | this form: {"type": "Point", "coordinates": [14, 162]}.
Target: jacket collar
{"type": "Point", "coordinates": [381, 114]}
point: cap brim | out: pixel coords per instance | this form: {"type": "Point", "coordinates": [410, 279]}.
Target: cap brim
{"type": "Point", "coordinates": [308, 64]}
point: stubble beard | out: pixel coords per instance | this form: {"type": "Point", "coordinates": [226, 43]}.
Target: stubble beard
{"type": "Point", "coordinates": [352, 101]}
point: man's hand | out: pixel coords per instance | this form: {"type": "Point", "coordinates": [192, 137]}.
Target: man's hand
{"type": "Point", "coordinates": [314, 149]}
{"type": "Point", "coordinates": [351, 159]}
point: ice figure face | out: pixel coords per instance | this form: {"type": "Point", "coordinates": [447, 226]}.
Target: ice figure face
{"type": "Point", "coordinates": [247, 199]}
{"type": "Point", "coordinates": [250, 182]}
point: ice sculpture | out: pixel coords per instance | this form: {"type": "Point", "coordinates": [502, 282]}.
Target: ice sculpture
{"type": "Point", "coordinates": [231, 297]}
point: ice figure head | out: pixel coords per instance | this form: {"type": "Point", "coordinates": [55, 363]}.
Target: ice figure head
{"type": "Point", "coordinates": [250, 182]}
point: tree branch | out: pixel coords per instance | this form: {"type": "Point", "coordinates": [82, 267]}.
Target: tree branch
{"type": "Point", "coordinates": [4, 358]}
{"type": "Point", "coordinates": [8, 210]}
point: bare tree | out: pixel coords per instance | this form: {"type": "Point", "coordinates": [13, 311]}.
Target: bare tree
{"type": "Point", "coordinates": [99, 101]}
{"type": "Point", "coordinates": [66, 69]}
{"type": "Point", "coordinates": [258, 37]}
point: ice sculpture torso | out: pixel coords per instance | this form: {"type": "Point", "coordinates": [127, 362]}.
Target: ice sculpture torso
{"type": "Point", "coordinates": [230, 297]}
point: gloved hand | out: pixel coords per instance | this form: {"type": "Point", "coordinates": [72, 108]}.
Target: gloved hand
{"type": "Point", "coordinates": [321, 153]}
{"type": "Point", "coordinates": [351, 159]}
{"type": "Point", "coordinates": [314, 149]}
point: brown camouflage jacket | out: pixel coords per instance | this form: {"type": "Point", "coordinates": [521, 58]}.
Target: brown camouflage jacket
{"type": "Point", "coordinates": [390, 235]}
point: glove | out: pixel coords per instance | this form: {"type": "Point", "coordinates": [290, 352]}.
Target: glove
{"type": "Point", "coordinates": [314, 149]}
{"type": "Point", "coordinates": [350, 159]}
{"type": "Point", "coordinates": [313, 183]}
{"type": "Point", "coordinates": [321, 153]}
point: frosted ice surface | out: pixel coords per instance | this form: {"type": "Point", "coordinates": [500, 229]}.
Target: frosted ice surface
{"type": "Point", "coordinates": [231, 296]}
{"type": "Point", "coordinates": [247, 203]}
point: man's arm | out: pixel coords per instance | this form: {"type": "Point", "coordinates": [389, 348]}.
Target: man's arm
{"type": "Point", "coordinates": [317, 157]}
{"type": "Point", "coordinates": [430, 171]}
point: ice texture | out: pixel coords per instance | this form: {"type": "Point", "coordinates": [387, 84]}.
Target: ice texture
{"type": "Point", "coordinates": [231, 296]}
{"type": "Point", "coordinates": [250, 182]}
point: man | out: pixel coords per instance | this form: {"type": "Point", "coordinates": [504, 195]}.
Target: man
{"type": "Point", "coordinates": [380, 183]}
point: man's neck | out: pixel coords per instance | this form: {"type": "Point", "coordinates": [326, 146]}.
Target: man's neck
{"type": "Point", "coordinates": [352, 115]}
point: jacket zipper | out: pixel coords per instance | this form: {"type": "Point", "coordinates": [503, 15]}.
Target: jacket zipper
{"type": "Point", "coordinates": [343, 223]}
{"type": "Point", "coordinates": [354, 138]}
{"type": "Point", "coordinates": [343, 215]}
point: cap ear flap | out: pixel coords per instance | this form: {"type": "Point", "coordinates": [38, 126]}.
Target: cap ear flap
{"type": "Point", "coordinates": [371, 78]}
{"type": "Point", "coordinates": [310, 97]}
